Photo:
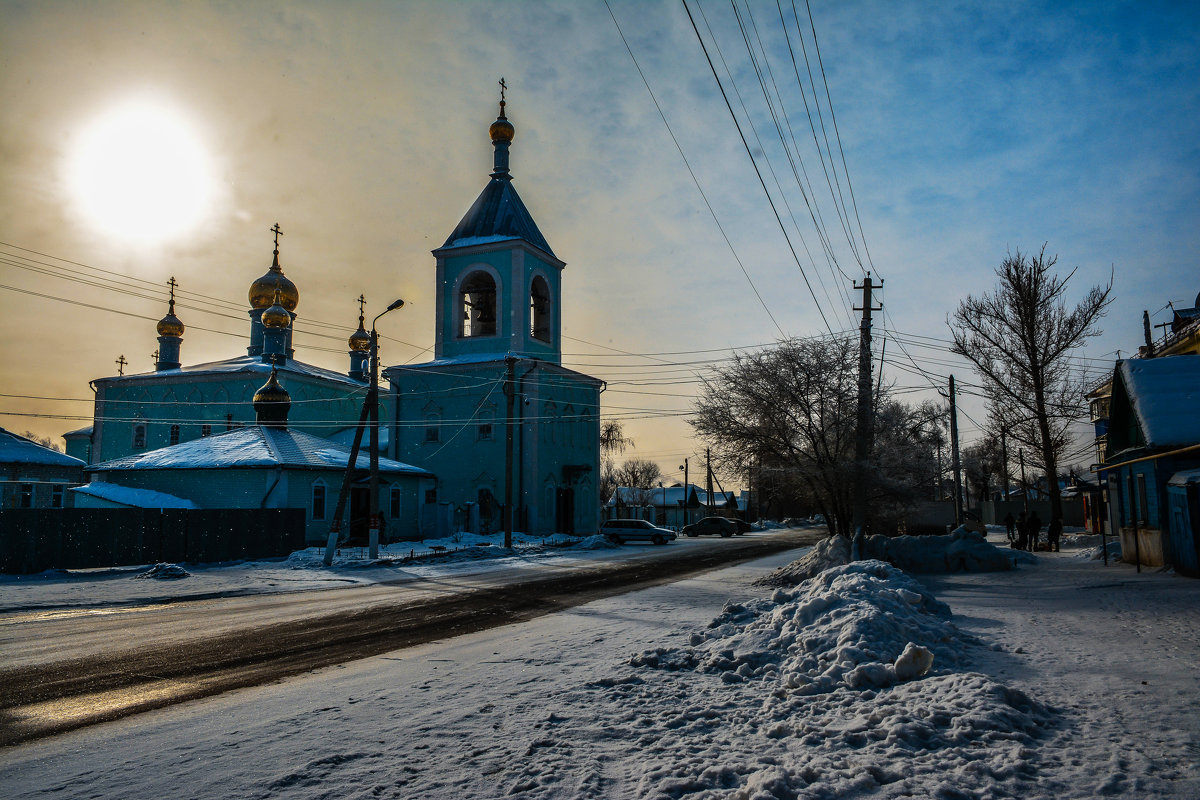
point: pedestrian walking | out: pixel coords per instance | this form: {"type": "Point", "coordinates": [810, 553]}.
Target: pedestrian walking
{"type": "Point", "coordinates": [1010, 524]}
{"type": "Point", "coordinates": [1035, 529]}
{"type": "Point", "coordinates": [1022, 532]}
{"type": "Point", "coordinates": [1053, 534]}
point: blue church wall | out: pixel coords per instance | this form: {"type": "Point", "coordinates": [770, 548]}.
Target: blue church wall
{"type": "Point", "coordinates": [288, 488]}
{"type": "Point", "coordinates": [451, 419]}
{"type": "Point", "coordinates": [159, 402]}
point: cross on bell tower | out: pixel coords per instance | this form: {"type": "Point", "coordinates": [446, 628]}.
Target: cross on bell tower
{"type": "Point", "coordinates": [121, 362]}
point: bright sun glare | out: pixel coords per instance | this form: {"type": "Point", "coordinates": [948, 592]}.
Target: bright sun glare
{"type": "Point", "coordinates": [141, 173]}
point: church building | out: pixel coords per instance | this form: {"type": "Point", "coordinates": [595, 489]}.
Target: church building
{"type": "Point", "coordinates": [495, 415]}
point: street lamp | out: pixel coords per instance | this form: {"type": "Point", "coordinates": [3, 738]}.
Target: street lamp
{"type": "Point", "coordinates": [373, 404]}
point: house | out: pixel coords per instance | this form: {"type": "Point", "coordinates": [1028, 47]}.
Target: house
{"type": "Point", "coordinates": [495, 415]}
{"type": "Point", "coordinates": [1153, 433]}
{"type": "Point", "coordinates": [266, 465]}
{"type": "Point", "coordinates": [34, 476]}
{"type": "Point", "coordinates": [664, 505]}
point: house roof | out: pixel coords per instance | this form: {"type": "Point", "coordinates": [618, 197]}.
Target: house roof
{"type": "Point", "coordinates": [1162, 395]}
{"type": "Point", "coordinates": [136, 498]}
{"type": "Point", "coordinates": [498, 215]}
{"type": "Point", "coordinates": [243, 364]}
{"type": "Point", "coordinates": [672, 496]}
{"type": "Point", "coordinates": [16, 449]}
{"type": "Point", "coordinates": [255, 446]}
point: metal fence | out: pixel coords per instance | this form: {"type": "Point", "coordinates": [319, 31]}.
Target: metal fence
{"type": "Point", "coordinates": [33, 539]}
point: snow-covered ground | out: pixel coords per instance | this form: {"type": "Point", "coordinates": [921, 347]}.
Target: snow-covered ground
{"type": "Point", "coordinates": [1060, 679]}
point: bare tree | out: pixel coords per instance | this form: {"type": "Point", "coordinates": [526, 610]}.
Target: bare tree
{"type": "Point", "coordinates": [44, 441]}
{"type": "Point", "coordinates": [642, 477]}
{"type": "Point", "coordinates": [794, 405]}
{"type": "Point", "coordinates": [612, 442]}
{"type": "Point", "coordinates": [1020, 337]}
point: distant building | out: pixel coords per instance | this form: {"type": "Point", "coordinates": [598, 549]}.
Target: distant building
{"type": "Point", "coordinates": [498, 353]}
{"type": "Point", "coordinates": [35, 476]}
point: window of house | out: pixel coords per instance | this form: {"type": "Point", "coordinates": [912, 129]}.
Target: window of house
{"type": "Point", "coordinates": [26, 499]}
{"type": "Point", "coordinates": [394, 502]}
{"type": "Point", "coordinates": [432, 428]}
{"type": "Point", "coordinates": [318, 500]}
{"type": "Point", "coordinates": [477, 314]}
{"type": "Point", "coordinates": [174, 434]}
{"type": "Point", "coordinates": [139, 436]}
{"type": "Point", "coordinates": [56, 496]}
{"type": "Point", "coordinates": [539, 309]}
{"type": "Point", "coordinates": [206, 429]}
{"type": "Point", "coordinates": [430, 496]}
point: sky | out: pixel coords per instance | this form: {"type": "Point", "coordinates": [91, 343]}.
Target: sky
{"type": "Point", "coordinates": [967, 131]}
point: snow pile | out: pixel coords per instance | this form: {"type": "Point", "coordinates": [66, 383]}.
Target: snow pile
{"type": "Point", "coordinates": [1074, 540]}
{"type": "Point", "coordinates": [164, 572]}
{"type": "Point", "coordinates": [840, 687]}
{"type": "Point", "coordinates": [1096, 553]}
{"type": "Point", "coordinates": [832, 551]}
{"type": "Point", "coordinates": [960, 551]}
{"type": "Point", "coordinates": [596, 542]}
{"type": "Point", "coordinates": [858, 625]}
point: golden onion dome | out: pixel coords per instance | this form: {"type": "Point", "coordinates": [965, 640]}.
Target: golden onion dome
{"type": "Point", "coordinates": [262, 291]}
{"type": "Point", "coordinates": [360, 340]}
{"type": "Point", "coordinates": [272, 402]}
{"type": "Point", "coordinates": [276, 316]}
{"type": "Point", "coordinates": [170, 324]}
{"type": "Point", "coordinates": [501, 130]}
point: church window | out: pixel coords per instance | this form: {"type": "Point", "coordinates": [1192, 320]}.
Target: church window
{"type": "Point", "coordinates": [394, 502]}
{"type": "Point", "coordinates": [478, 305]}
{"type": "Point", "coordinates": [26, 495]}
{"type": "Point", "coordinates": [432, 428]}
{"type": "Point", "coordinates": [174, 434]}
{"type": "Point", "coordinates": [206, 429]}
{"type": "Point", "coordinates": [56, 496]}
{"type": "Point", "coordinates": [485, 431]}
{"type": "Point", "coordinates": [139, 436]}
{"type": "Point", "coordinates": [539, 309]}
{"type": "Point", "coordinates": [318, 500]}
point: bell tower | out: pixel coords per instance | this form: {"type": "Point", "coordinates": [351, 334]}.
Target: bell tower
{"type": "Point", "coordinates": [499, 285]}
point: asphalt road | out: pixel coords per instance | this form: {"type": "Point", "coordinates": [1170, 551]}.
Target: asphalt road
{"type": "Point", "coordinates": [64, 670]}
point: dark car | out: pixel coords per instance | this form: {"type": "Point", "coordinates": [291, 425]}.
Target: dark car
{"type": "Point", "coordinates": [619, 531]}
{"type": "Point", "coordinates": [719, 525]}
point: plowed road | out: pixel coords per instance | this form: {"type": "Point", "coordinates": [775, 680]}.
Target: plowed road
{"type": "Point", "coordinates": [69, 668]}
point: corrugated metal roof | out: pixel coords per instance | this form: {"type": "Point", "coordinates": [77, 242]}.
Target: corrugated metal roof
{"type": "Point", "coordinates": [498, 215]}
{"type": "Point", "coordinates": [253, 364]}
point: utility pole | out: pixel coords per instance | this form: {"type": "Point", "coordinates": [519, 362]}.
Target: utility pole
{"type": "Point", "coordinates": [708, 479]}
{"type": "Point", "coordinates": [373, 402]}
{"type": "Point", "coordinates": [687, 492]}
{"type": "Point", "coordinates": [1024, 484]}
{"type": "Point", "coordinates": [954, 460]}
{"type": "Point", "coordinates": [864, 429]}
{"type": "Point", "coordinates": [510, 363]}
{"type": "Point", "coordinates": [1004, 461]}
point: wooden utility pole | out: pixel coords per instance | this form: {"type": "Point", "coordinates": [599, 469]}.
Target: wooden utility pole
{"type": "Point", "coordinates": [708, 479]}
{"type": "Point", "coordinates": [863, 434]}
{"type": "Point", "coordinates": [1004, 461]}
{"type": "Point", "coordinates": [373, 402]}
{"type": "Point", "coordinates": [954, 459]}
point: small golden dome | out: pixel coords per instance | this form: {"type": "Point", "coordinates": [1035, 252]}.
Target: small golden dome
{"type": "Point", "coordinates": [276, 316]}
{"type": "Point", "coordinates": [501, 130]}
{"type": "Point", "coordinates": [170, 324]}
{"type": "Point", "coordinates": [272, 402]}
{"type": "Point", "coordinates": [360, 340]}
{"type": "Point", "coordinates": [262, 291]}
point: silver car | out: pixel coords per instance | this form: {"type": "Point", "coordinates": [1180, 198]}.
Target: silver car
{"type": "Point", "coordinates": [619, 531]}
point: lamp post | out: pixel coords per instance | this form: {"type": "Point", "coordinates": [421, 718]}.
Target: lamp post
{"type": "Point", "coordinates": [664, 503]}
{"type": "Point", "coordinates": [373, 404]}
{"type": "Point", "coordinates": [686, 490]}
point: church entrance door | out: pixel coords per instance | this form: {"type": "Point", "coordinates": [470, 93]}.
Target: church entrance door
{"type": "Point", "coordinates": [564, 511]}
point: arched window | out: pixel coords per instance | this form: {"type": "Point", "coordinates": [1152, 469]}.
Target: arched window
{"type": "Point", "coordinates": [477, 312]}
{"type": "Point", "coordinates": [539, 309]}
{"type": "Point", "coordinates": [139, 436]}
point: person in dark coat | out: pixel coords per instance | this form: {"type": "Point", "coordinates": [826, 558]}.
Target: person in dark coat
{"type": "Point", "coordinates": [1022, 532]}
{"type": "Point", "coordinates": [1035, 529]}
{"type": "Point", "coordinates": [1010, 524]}
{"type": "Point", "coordinates": [1053, 533]}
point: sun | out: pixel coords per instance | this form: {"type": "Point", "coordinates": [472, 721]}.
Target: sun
{"type": "Point", "coordinates": [141, 173]}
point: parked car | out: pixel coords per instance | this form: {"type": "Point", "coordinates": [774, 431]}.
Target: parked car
{"type": "Point", "coordinates": [742, 526]}
{"type": "Point", "coordinates": [619, 531]}
{"type": "Point", "coordinates": [718, 525]}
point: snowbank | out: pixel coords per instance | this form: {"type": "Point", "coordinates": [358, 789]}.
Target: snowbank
{"type": "Point", "coordinates": [1096, 553]}
{"type": "Point", "coordinates": [831, 551]}
{"type": "Point", "coordinates": [850, 675]}
{"type": "Point", "coordinates": [960, 551]}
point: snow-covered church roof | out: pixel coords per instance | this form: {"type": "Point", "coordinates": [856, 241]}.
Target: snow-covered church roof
{"type": "Point", "coordinates": [16, 449]}
{"type": "Point", "coordinates": [255, 446]}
